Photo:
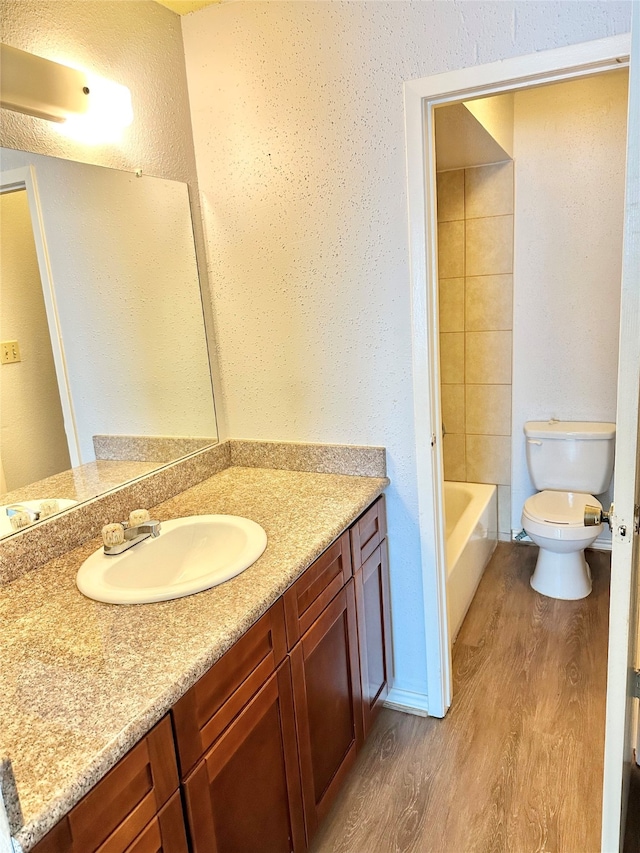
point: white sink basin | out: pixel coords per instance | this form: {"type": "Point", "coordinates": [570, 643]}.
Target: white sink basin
{"type": "Point", "coordinates": [34, 506]}
{"type": "Point", "coordinates": [190, 555]}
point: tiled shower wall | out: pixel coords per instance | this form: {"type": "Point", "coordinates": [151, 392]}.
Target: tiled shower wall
{"type": "Point", "coordinates": [475, 263]}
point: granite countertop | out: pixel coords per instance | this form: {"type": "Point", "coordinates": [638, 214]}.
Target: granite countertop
{"type": "Point", "coordinates": [82, 681]}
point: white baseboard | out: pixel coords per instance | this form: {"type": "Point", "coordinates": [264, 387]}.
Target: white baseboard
{"type": "Point", "coordinates": [408, 702]}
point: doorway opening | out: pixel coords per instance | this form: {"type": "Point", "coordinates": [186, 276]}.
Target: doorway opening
{"type": "Point", "coordinates": [554, 250]}
{"type": "Point", "coordinates": [422, 98]}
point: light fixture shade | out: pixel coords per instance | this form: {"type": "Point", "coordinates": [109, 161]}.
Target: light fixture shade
{"type": "Point", "coordinates": [39, 87]}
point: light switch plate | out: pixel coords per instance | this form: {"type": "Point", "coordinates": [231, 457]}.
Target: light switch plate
{"type": "Point", "coordinates": [9, 352]}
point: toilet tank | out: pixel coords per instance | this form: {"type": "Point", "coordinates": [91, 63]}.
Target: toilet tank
{"type": "Point", "coordinates": [570, 456]}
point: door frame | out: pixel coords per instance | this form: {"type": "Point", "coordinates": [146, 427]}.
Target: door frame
{"type": "Point", "coordinates": [25, 179]}
{"type": "Point", "coordinates": [621, 712]}
{"type": "Point", "coordinates": [421, 97]}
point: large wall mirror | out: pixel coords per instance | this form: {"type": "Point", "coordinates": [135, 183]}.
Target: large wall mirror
{"type": "Point", "coordinates": [104, 372]}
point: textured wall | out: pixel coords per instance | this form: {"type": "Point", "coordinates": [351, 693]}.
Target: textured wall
{"type": "Point", "coordinates": [299, 131]}
{"type": "Point", "coordinates": [33, 443]}
{"type": "Point", "coordinates": [136, 43]}
{"type": "Point", "coordinates": [569, 143]}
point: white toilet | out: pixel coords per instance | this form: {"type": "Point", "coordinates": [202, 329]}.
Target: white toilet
{"type": "Point", "coordinates": [569, 461]}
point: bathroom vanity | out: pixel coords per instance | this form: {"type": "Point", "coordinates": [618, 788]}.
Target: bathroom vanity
{"type": "Point", "coordinates": [230, 718]}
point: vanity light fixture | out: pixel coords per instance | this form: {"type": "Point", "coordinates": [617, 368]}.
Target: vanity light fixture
{"type": "Point", "coordinates": [88, 107]}
{"type": "Point", "coordinates": [39, 87]}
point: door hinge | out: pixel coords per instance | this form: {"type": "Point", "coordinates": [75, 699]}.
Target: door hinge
{"type": "Point", "coordinates": [636, 520]}
{"type": "Point", "coordinates": [635, 683]}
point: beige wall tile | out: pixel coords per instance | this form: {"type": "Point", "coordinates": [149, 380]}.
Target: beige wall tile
{"type": "Point", "coordinates": [488, 410]}
{"type": "Point", "coordinates": [452, 399]}
{"type": "Point", "coordinates": [488, 358]}
{"type": "Point", "coordinates": [488, 303]}
{"type": "Point", "coordinates": [452, 358]}
{"type": "Point", "coordinates": [451, 250]}
{"type": "Point", "coordinates": [504, 510]}
{"type": "Point", "coordinates": [488, 190]}
{"type": "Point", "coordinates": [489, 246]}
{"type": "Point", "coordinates": [450, 187]}
{"type": "Point", "coordinates": [453, 452]}
{"type": "Point", "coordinates": [488, 459]}
{"type": "Point", "coordinates": [451, 297]}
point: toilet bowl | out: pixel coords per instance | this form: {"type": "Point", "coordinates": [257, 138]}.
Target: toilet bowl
{"type": "Point", "coordinates": [569, 462]}
{"type": "Point", "coordinates": [555, 522]}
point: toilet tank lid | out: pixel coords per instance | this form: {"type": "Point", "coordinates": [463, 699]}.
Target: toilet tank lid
{"type": "Point", "coordinates": [583, 430]}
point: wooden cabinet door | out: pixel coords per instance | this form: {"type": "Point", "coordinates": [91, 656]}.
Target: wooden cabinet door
{"type": "Point", "coordinates": [244, 796]}
{"type": "Point", "coordinates": [374, 633]}
{"type": "Point", "coordinates": [326, 687]}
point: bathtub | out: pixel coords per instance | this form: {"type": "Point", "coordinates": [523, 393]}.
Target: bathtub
{"type": "Point", "coordinates": [471, 534]}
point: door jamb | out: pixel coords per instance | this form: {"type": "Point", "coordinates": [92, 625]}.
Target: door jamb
{"type": "Point", "coordinates": [421, 96]}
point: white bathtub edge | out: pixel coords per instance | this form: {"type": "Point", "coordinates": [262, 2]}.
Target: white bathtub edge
{"type": "Point", "coordinates": [471, 551]}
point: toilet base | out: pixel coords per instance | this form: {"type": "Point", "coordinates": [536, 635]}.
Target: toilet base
{"type": "Point", "coordinates": [565, 576]}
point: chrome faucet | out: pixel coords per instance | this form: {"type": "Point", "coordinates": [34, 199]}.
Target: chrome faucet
{"type": "Point", "coordinates": [120, 537]}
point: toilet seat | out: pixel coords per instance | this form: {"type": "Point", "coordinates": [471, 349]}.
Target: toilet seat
{"type": "Point", "coordinates": [560, 507]}
{"type": "Point", "coordinates": [559, 515]}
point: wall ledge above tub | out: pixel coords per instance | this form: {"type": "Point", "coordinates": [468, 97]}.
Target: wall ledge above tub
{"type": "Point", "coordinates": [35, 545]}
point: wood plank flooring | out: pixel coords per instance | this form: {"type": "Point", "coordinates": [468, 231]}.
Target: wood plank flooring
{"type": "Point", "coordinates": [516, 765]}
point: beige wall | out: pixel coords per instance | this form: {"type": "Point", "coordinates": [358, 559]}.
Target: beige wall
{"type": "Point", "coordinates": [475, 262]}
{"type": "Point", "coordinates": [33, 443]}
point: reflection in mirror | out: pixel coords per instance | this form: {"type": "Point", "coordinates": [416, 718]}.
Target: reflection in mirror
{"type": "Point", "coordinates": [105, 372]}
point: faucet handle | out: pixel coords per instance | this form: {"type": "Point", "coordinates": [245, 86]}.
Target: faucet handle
{"type": "Point", "coordinates": [112, 534]}
{"type": "Point", "coordinates": [19, 520]}
{"type": "Point", "coordinates": [49, 507]}
{"type": "Point", "coordinates": [138, 516]}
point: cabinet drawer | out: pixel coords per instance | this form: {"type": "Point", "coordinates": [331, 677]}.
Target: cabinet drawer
{"type": "Point", "coordinates": [166, 832]}
{"type": "Point", "coordinates": [310, 594]}
{"type": "Point", "coordinates": [368, 532]}
{"type": "Point", "coordinates": [111, 815]}
{"type": "Point", "coordinates": [206, 710]}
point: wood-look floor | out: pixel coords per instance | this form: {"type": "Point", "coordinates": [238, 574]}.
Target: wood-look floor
{"type": "Point", "coordinates": [516, 765]}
